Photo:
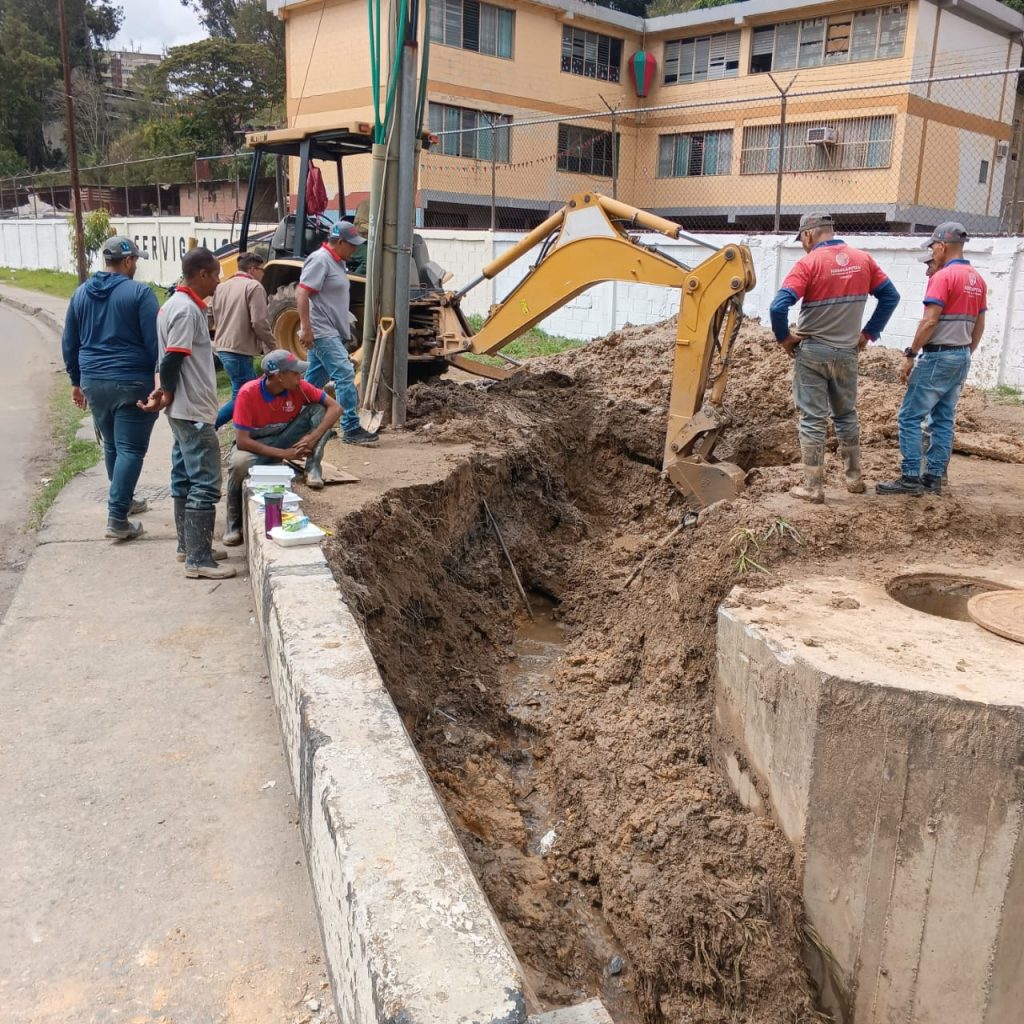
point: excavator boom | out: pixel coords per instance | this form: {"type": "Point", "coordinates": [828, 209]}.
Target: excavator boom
{"type": "Point", "coordinates": [584, 244]}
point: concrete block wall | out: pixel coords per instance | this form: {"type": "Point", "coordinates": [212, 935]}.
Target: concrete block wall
{"type": "Point", "coordinates": [895, 772]}
{"type": "Point", "coordinates": [408, 934]}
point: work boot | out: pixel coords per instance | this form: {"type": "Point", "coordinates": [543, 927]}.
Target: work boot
{"type": "Point", "coordinates": [904, 485]}
{"type": "Point", "coordinates": [813, 487]}
{"type": "Point", "coordinates": [851, 465]}
{"type": "Point", "coordinates": [179, 526]}
{"type": "Point", "coordinates": [199, 559]}
{"type": "Point", "coordinates": [363, 437]}
{"type": "Point", "coordinates": [138, 506]}
{"type": "Point", "coordinates": [314, 473]}
{"type": "Point", "coordinates": [233, 527]}
{"type": "Point", "coordinates": [931, 483]}
{"type": "Point", "coordinates": [121, 529]}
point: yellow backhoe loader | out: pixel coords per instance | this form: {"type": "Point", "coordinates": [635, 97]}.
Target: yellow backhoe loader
{"type": "Point", "coordinates": [585, 243]}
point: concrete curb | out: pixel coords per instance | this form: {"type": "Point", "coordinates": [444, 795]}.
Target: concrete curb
{"type": "Point", "coordinates": [43, 315]}
{"type": "Point", "coordinates": [408, 934]}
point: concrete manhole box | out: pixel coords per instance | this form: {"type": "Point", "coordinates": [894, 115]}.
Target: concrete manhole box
{"type": "Point", "coordinates": [888, 742]}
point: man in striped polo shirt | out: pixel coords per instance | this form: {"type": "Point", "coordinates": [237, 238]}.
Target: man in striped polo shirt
{"type": "Point", "coordinates": [833, 283]}
{"type": "Point", "coordinates": [938, 361]}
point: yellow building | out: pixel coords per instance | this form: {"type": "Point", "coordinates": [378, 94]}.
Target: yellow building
{"type": "Point", "coordinates": [895, 115]}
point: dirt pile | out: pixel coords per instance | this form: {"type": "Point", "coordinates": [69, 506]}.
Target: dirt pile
{"type": "Point", "coordinates": [588, 801]}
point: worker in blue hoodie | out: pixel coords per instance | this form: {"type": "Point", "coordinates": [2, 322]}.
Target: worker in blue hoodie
{"type": "Point", "coordinates": [110, 353]}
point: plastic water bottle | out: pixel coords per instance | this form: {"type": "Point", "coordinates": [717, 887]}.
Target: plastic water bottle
{"type": "Point", "coordinates": [272, 511]}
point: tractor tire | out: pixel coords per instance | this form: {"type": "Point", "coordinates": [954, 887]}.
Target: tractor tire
{"type": "Point", "coordinates": [284, 319]}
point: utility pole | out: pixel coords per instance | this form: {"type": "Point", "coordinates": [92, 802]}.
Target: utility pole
{"type": "Point", "coordinates": [494, 171]}
{"type": "Point", "coordinates": [614, 111]}
{"type": "Point", "coordinates": [783, 94]}
{"type": "Point", "coordinates": [76, 191]}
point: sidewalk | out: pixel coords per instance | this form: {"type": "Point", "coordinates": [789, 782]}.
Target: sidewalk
{"type": "Point", "coordinates": [151, 869]}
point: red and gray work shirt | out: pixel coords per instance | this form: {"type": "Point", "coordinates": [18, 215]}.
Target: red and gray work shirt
{"type": "Point", "coordinates": [324, 278]}
{"type": "Point", "coordinates": [833, 282]}
{"type": "Point", "coordinates": [962, 293]}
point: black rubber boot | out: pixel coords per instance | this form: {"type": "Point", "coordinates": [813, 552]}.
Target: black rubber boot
{"type": "Point", "coordinates": [931, 484]}
{"type": "Point", "coordinates": [314, 472]}
{"type": "Point", "coordinates": [179, 527]}
{"type": "Point", "coordinates": [904, 485]}
{"type": "Point", "coordinates": [199, 560]}
{"type": "Point", "coordinates": [233, 526]}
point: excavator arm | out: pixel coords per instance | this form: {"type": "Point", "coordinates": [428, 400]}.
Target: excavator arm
{"type": "Point", "coordinates": [585, 243]}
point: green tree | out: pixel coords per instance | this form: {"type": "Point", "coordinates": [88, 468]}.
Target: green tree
{"type": "Point", "coordinates": [96, 230]}
{"type": "Point", "coordinates": [228, 85]}
{"type": "Point", "coordinates": [241, 21]}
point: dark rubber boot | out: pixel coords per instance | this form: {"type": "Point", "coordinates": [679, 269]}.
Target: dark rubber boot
{"type": "Point", "coordinates": [179, 527]}
{"type": "Point", "coordinates": [233, 527]}
{"type": "Point", "coordinates": [199, 560]}
{"type": "Point", "coordinates": [932, 484]}
{"type": "Point", "coordinates": [314, 473]}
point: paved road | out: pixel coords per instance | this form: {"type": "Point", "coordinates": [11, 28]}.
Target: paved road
{"type": "Point", "coordinates": [29, 355]}
{"type": "Point", "coordinates": [151, 869]}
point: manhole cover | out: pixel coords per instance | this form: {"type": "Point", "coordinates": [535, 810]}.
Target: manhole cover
{"type": "Point", "coordinates": [999, 611]}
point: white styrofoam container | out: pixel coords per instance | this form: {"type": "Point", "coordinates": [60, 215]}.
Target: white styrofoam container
{"type": "Point", "coordinates": [262, 476]}
{"type": "Point", "coordinates": [293, 538]}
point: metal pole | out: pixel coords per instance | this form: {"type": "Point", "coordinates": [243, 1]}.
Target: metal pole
{"type": "Point", "coordinates": [280, 193]}
{"type": "Point", "coordinates": [76, 192]}
{"type": "Point", "coordinates": [782, 148]}
{"type": "Point", "coordinates": [195, 167]}
{"type": "Point", "coordinates": [127, 206]}
{"type": "Point", "coordinates": [406, 211]}
{"type": "Point", "coordinates": [614, 111]}
{"type": "Point", "coordinates": [494, 175]}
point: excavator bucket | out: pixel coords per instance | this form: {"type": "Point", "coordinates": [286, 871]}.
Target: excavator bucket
{"type": "Point", "coordinates": [707, 482]}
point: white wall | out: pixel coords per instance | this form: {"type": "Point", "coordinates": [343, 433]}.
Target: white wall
{"type": "Point", "coordinates": [1000, 359]}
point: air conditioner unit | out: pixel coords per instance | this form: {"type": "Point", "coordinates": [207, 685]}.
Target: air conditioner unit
{"type": "Point", "coordinates": [824, 135]}
{"type": "Point", "coordinates": [1002, 148]}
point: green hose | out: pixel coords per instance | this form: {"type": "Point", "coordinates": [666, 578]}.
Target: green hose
{"type": "Point", "coordinates": [375, 63]}
{"type": "Point", "coordinates": [389, 103]}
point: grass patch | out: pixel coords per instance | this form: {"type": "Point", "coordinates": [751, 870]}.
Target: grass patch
{"type": "Point", "coordinates": [531, 345]}
{"type": "Point", "coordinates": [1005, 394]}
{"type": "Point", "coordinates": [50, 282]}
{"type": "Point", "coordinates": [56, 282]}
{"type": "Point", "coordinates": [74, 456]}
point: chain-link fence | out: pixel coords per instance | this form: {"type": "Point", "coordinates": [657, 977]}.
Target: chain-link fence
{"type": "Point", "coordinates": [881, 156]}
{"type": "Point", "coordinates": [210, 188]}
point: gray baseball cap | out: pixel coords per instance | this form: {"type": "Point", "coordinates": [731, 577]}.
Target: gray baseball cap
{"type": "Point", "coordinates": [343, 231]}
{"type": "Point", "coordinates": [948, 231]}
{"type": "Point", "coordinates": [119, 247]}
{"type": "Point", "coordinates": [282, 359]}
{"type": "Point", "coordinates": [813, 220]}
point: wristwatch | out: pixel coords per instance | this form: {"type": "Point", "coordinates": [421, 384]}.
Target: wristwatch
{"type": "Point", "coordinates": [909, 352]}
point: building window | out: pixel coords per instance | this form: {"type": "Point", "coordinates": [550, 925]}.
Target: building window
{"type": "Point", "coordinates": [585, 150]}
{"type": "Point", "coordinates": [465, 132]}
{"type": "Point", "coordinates": [702, 59]}
{"type": "Point", "coordinates": [591, 54]}
{"type": "Point", "coordinates": [876, 34]}
{"type": "Point", "coordinates": [694, 154]}
{"type": "Point", "coordinates": [983, 173]}
{"type": "Point", "coordinates": [469, 25]}
{"type": "Point", "coordinates": [857, 143]}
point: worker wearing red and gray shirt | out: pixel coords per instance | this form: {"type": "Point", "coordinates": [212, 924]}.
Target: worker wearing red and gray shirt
{"type": "Point", "coordinates": [833, 283]}
{"type": "Point", "coordinates": [938, 361]}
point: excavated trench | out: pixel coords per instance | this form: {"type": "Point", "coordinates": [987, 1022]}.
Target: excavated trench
{"type": "Point", "coordinates": [573, 752]}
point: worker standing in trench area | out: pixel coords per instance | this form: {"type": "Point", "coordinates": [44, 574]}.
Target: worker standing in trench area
{"type": "Point", "coordinates": [832, 282]}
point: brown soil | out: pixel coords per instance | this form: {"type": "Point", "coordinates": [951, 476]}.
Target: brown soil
{"type": "Point", "coordinates": [653, 859]}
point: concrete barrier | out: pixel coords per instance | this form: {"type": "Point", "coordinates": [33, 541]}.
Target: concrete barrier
{"type": "Point", "coordinates": [887, 743]}
{"type": "Point", "coordinates": [408, 934]}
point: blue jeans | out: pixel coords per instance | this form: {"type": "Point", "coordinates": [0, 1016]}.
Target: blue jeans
{"type": "Point", "coordinates": [125, 430]}
{"type": "Point", "coordinates": [282, 436]}
{"type": "Point", "coordinates": [195, 463]}
{"type": "Point", "coordinates": [240, 370]}
{"type": "Point", "coordinates": [933, 390]}
{"type": "Point", "coordinates": [328, 360]}
{"type": "Point", "coordinates": [825, 383]}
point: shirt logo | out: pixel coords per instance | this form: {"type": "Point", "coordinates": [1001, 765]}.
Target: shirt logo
{"type": "Point", "coordinates": [842, 259]}
{"type": "Point", "coordinates": [972, 279]}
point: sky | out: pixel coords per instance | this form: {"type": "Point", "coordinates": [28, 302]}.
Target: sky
{"type": "Point", "coordinates": [155, 25]}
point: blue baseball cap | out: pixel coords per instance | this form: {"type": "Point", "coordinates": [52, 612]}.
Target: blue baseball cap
{"type": "Point", "coordinates": [342, 231]}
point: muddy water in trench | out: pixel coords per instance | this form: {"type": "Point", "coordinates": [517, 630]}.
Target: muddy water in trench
{"type": "Point", "coordinates": [538, 646]}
